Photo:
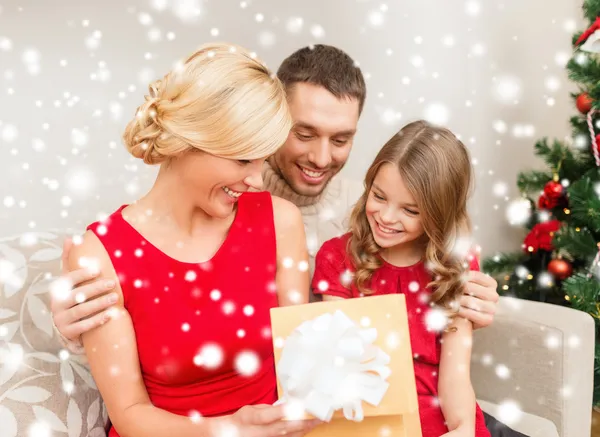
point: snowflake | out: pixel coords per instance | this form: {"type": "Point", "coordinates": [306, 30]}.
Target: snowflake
{"type": "Point", "coordinates": [247, 363]}
{"type": "Point", "coordinates": [393, 340]}
{"type": "Point", "coordinates": [215, 295]}
{"type": "Point", "coordinates": [323, 285]}
{"type": "Point", "coordinates": [472, 7]}
{"type": "Point", "coordinates": [437, 113]}
{"type": "Point", "coordinates": [228, 307]}
{"type": "Point", "coordinates": [509, 413]}
{"type": "Point", "coordinates": [294, 24]}
{"type": "Point", "coordinates": [9, 133]}
{"type": "Point", "coordinates": [210, 356]}
{"type": "Point", "coordinates": [195, 416]}
{"type": "Point", "coordinates": [436, 320]}
{"type": "Point", "coordinates": [248, 310]}
{"type": "Point", "coordinates": [518, 212]}
{"type": "Point", "coordinates": [40, 429]}
{"type": "Point", "coordinates": [507, 89]}
{"type": "Point", "coordinates": [552, 342]}
{"type": "Point", "coordinates": [502, 371]}
{"type": "Point", "coordinates": [190, 276]}
{"type": "Point", "coordinates": [185, 327]}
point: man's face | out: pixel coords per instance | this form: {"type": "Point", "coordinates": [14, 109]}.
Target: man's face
{"type": "Point", "coordinates": [320, 140]}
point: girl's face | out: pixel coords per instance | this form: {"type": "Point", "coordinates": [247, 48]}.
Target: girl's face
{"type": "Point", "coordinates": [391, 210]}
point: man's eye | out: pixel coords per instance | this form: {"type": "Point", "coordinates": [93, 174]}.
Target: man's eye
{"type": "Point", "coordinates": [304, 137]}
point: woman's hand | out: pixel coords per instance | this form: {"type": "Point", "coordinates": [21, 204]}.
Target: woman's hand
{"type": "Point", "coordinates": [461, 431]}
{"type": "Point", "coordinates": [262, 421]}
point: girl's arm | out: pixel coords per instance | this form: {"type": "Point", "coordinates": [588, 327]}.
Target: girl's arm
{"type": "Point", "coordinates": [456, 395]}
{"type": "Point", "coordinates": [292, 278]}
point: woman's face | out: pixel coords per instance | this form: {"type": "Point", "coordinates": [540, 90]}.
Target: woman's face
{"type": "Point", "coordinates": [216, 183]}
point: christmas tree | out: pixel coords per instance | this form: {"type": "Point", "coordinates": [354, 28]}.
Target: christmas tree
{"type": "Point", "coordinates": [559, 261]}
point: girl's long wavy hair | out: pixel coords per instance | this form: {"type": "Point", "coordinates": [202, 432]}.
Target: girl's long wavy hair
{"type": "Point", "coordinates": [436, 169]}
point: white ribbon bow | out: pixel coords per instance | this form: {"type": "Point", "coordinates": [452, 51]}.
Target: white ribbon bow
{"type": "Point", "coordinates": [329, 363]}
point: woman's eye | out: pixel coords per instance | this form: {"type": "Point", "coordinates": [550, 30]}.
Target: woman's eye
{"type": "Point", "coordinates": [244, 161]}
{"type": "Point", "coordinates": [377, 196]}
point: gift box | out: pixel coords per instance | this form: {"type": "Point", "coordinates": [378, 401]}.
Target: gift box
{"type": "Point", "coordinates": [349, 363]}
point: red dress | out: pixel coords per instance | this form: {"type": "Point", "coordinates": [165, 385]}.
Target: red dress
{"type": "Point", "coordinates": [331, 263]}
{"type": "Point", "coordinates": [202, 330]}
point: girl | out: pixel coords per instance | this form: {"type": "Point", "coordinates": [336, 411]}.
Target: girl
{"type": "Point", "coordinates": [405, 232]}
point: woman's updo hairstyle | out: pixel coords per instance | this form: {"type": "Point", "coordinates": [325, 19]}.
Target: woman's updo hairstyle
{"type": "Point", "coordinates": [220, 100]}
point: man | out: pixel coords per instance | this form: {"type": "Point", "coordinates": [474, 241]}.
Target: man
{"type": "Point", "coordinates": [326, 94]}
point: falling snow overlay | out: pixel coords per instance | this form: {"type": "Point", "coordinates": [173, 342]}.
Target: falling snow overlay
{"type": "Point", "coordinates": [68, 89]}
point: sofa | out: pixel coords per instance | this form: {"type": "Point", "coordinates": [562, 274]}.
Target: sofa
{"type": "Point", "coordinates": [531, 369]}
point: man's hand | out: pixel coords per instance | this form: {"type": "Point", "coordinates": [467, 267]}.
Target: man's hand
{"type": "Point", "coordinates": [72, 310]}
{"type": "Point", "coordinates": [479, 301]}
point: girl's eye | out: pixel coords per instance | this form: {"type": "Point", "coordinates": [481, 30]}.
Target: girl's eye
{"type": "Point", "coordinates": [244, 161]}
{"type": "Point", "coordinates": [377, 196]}
{"type": "Point", "coordinates": [411, 212]}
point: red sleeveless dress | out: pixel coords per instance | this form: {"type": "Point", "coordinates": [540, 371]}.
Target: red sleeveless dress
{"type": "Point", "coordinates": [202, 330]}
{"type": "Point", "coordinates": [331, 263]}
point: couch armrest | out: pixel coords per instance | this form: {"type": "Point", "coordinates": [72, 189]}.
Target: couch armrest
{"type": "Point", "coordinates": [540, 356]}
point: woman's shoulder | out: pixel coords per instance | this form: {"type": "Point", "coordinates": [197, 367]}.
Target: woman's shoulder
{"type": "Point", "coordinates": [88, 252]}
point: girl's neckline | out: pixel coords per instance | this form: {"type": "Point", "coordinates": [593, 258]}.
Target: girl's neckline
{"type": "Point", "coordinates": [395, 267]}
{"type": "Point", "coordinates": [163, 253]}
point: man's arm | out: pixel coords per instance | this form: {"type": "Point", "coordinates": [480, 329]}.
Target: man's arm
{"type": "Point", "coordinates": [480, 300]}
{"type": "Point", "coordinates": [79, 301]}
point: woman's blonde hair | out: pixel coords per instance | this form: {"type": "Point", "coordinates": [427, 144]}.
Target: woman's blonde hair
{"type": "Point", "coordinates": [220, 100]}
{"type": "Point", "coordinates": [436, 169]}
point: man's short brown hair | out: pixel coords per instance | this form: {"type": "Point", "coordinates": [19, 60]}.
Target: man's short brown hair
{"type": "Point", "coordinates": [325, 66]}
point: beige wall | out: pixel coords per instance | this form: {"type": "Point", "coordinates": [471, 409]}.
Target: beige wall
{"type": "Point", "coordinates": [51, 186]}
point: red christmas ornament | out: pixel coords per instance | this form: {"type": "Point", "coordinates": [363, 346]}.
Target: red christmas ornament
{"type": "Point", "coordinates": [544, 202]}
{"type": "Point", "coordinates": [560, 268]}
{"type": "Point", "coordinates": [553, 190]}
{"type": "Point", "coordinates": [584, 103]}
{"type": "Point", "coordinates": [540, 237]}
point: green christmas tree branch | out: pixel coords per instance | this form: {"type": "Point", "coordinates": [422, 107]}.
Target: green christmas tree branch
{"type": "Point", "coordinates": [591, 9]}
{"type": "Point", "coordinates": [533, 181]}
{"type": "Point", "coordinates": [502, 263]}
{"type": "Point", "coordinates": [577, 243]}
{"type": "Point", "coordinates": [584, 72]}
{"type": "Point", "coordinates": [585, 202]}
{"type": "Point", "coordinates": [583, 291]}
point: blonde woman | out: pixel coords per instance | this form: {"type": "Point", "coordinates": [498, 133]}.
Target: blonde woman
{"type": "Point", "coordinates": [198, 261]}
{"type": "Point", "coordinates": [404, 234]}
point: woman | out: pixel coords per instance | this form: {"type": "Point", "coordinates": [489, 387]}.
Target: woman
{"type": "Point", "coordinates": [199, 260]}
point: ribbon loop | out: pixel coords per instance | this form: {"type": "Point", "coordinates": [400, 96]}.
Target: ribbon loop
{"type": "Point", "coordinates": [329, 364]}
